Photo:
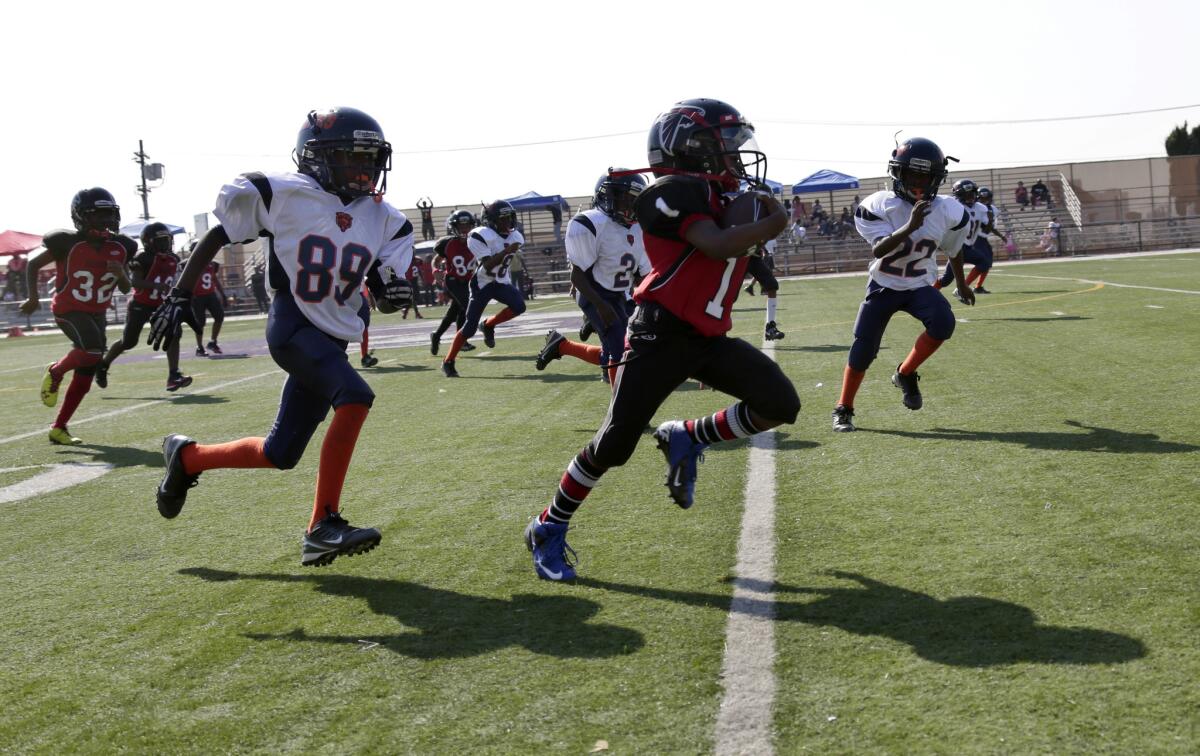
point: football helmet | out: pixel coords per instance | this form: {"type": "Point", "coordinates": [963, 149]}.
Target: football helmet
{"type": "Point", "coordinates": [343, 149]}
{"type": "Point", "coordinates": [985, 195]}
{"type": "Point", "coordinates": [615, 195]}
{"type": "Point", "coordinates": [500, 217]}
{"type": "Point", "coordinates": [460, 222]}
{"type": "Point", "coordinates": [708, 138]}
{"type": "Point", "coordinates": [917, 168]}
{"type": "Point", "coordinates": [157, 238]}
{"type": "Point", "coordinates": [95, 212]}
{"type": "Point", "coordinates": [965, 191]}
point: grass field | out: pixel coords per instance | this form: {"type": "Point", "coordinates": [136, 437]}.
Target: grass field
{"type": "Point", "coordinates": [1013, 569]}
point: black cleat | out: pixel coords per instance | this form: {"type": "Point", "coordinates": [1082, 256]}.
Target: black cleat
{"type": "Point", "coordinates": [333, 537]}
{"type": "Point", "coordinates": [435, 342]}
{"type": "Point", "coordinates": [772, 333]}
{"type": "Point", "coordinates": [489, 335]}
{"type": "Point", "coordinates": [586, 330]}
{"type": "Point", "coordinates": [842, 422]}
{"type": "Point", "coordinates": [101, 375]}
{"type": "Point", "coordinates": [750, 289]}
{"type": "Point", "coordinates": [369, 360]}
{"type": "Point", "coordinates": [448, 369]}
{"type": "Point", "coordinates": [214, 348]}
{"type": "Point", "coordinates": [908, 384]}
{"type": "Point", "coordinates": [468, 347]}
{"type": "Point", "coordinates": [200, 352]}
{"type": "Point", "coordinates": [550, 352]}
{"type": "Point", "coordinates": [173, 490]}
{"type": "Point", "coordinates": [178, 381]}
{"type": "Point", "coordinates": [981, 290]}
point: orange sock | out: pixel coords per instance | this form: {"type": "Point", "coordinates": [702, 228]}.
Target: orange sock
{"type": "Point", "coordinates": [503, 316]}
{"type": "Point", "coordinates": [585, 352]}
{"type": "Point", "coordinates": [459, 340]}
{"type": "Point", "coordinates": [925, 346]}
{"type": "Point", "coordinates": [245, 452]}
{"type": "Point", "coordinates": [982, 276]}
{"type": "Point", "coordinates": [973, 276]}
{"type": "Point", "coordinates": [851, 380]}
{"type": "Point", "coordinates": [336, 450]}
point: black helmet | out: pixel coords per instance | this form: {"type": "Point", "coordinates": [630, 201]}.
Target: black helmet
{"type": "Point", "coordinates": [965, 191]}
{"type": "Point", "coordinates": [95, 212]}
{"type": "Point", "coordinates": [917, 165]}
{"type": "Point", "coordinates": [156, 237]}
{"type": "Point", "coordinates": [707, 137]}
{"type": "Point", "coordinates": [985, 195]}
{"type": "Point", "coordinates": [459, 218]}
{"type": "Point", "coordinates": [500, 217]}
{"type": "Point", "coordinates": [615, 195]}
{"type": "Point", "coordinates": [325, 143]}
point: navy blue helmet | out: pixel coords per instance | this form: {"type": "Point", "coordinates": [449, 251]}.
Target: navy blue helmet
{"type": "Point", "coordinates": [344, 150]}
{"type": "Point", "coordinates": [918, 169]}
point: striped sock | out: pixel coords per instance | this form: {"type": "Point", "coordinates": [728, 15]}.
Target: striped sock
{"type": "Point", "coordinates": [577, 482]}
{"type": "Point", "coordinates": [726, 425]}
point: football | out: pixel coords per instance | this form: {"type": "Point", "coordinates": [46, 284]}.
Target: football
{"type": "Point", "coordinates": [745, 208]}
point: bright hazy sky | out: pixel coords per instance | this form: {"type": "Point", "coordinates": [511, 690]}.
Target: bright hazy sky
{"type": "Point", "coordinates": [219, 88]}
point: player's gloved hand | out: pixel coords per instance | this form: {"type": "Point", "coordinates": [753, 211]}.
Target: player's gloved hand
{"type": "Point", "coordinates": [167, 321]}
{"type": "Point", "coordinates": [398, 292]}
{"type": "Point", "coordinates": [965, 295]}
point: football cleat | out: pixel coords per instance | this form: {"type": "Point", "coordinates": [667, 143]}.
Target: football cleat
{"type": "Point", "coordinates": [750, 289]}
{"type": "Point", "coordinates": [369, 360]}
{"type": "Point", "coordinates": [908, 384]}
{"type": "Point", "coordinates": [586, 330]}
{"type": "Point", "coordinates": [173, 489]}
{"type": "Point", "coordinates": [63, 437]}
{"type": "Point", "coordinates": [981, 290]}
{"type": "Point", "coordinates": [200, 352]}
{"type": "Point", "coordinates": [212, 347]}
{"type": "Point", "coordinates": [448, 369]}
{"type": "Point", "coordinates": [468, 347]}
{"type": "Point", "coordinates": [50, 387]}
{"type": "Point", "coordinates": [178, 381]}
{"type": "Point", "coordinates": [101, 375]}
{"type": "Point", "coordinates": [682, 454]}
{"type": "Point", "coordinates": [333, 537]}
{"type": "Point", "coordinates": [489, 335]}
{"type": "Point", "coordinates": [553, 559]}
{"type": "Point", "coordinates": [550, 352]}
{"type": "Point", "coordinates": [842, 419]}
{"type": "Point", "coordinates": [435, 341]}
{"type": "Point", "coordinates": [772, 333]}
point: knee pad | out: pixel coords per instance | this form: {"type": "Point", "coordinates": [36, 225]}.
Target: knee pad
{"type": "Point", "coordinates": [941, 328]}
{"type": "Point", "coordinates": [517, 309]}
{"type": "Point", "coordinates": [862, 354]}
{"type": "Point", "coordinates": [285, 458]}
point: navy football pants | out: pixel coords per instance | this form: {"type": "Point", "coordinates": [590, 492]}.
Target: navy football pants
{"type": "Point", "coordinates": [926, 304]}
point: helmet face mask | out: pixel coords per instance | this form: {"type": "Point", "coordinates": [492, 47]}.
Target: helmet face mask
{"type": "Point", "coordinates": [460, 223]}
{"type": "Point", "coordinates": [95, 213]}
{"type": "Point", "coordinates": [616, 196]}
{"type": "Point", "coordinates": [985, 195]}
{"type": "Point", "coordinates": [343, 149]}
{"type": "Point", "coordinates": [500, 217]}
{"type": "Point", "coordinates": [709, 138]}
{"type": "Point", "coordinates": [157, 238]}
{"type": "Point", "coordinates": [917, 168]}
{"type": "Point", "coordinates": [966, 192]}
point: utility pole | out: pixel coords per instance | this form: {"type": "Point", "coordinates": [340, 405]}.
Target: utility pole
{"type": "Point", "coordinates": [152, 171]}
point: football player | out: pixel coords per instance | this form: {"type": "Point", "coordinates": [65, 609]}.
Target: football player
{"type": "Point", "coordinates": [979, 272]}
{"type": "Point", "coordinates": [905, 227]}
{"type": "Point", "coordinates": [452, 251]}
{"type": "Point", "coordinates": [329, 229]}
{"type": "Point", "coordinates": [967, 193]}
{"type": "Point", "coordinates": [605, 249]}
{"type": "Point", "coordinates": [153, 273]}
{"type": "Point", "coordinates": [89, 263]}
{"type": "Point", "coordinates": [697, 150]}
{"type": "Point", "coordinates": [367, 356]}
{"type": "Point", "coordinates": [208, 297]}
{"type": "Point", "coordinates": [762, 270]}
{"type": "Point", "coordinates": [494, 244]}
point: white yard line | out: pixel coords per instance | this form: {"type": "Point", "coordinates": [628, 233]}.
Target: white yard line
{"type": "Point", "coordinates": [133, 407]}
{"type": "Point", "coordinates": [1106, 283]}
{"type": "Point", "coordinates": [59, 476]}
{"type": "Point", "coordinates": [744, 721]}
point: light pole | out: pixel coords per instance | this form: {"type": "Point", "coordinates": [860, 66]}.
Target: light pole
{"type": "Point", "coordinates": [152, 172]}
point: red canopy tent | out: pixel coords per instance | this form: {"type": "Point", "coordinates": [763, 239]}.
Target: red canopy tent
{"type": "Point", "coordinates": [18, 242]}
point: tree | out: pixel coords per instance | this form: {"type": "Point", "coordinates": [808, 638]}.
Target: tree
{"type": "Point", "coordinates": [1181, 142]}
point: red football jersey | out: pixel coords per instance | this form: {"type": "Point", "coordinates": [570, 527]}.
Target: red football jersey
{"type": "Point", "coordinates": [157, 268]}
{"type": "Point", "coordinates": [459, 259]}
{"type": "Point", "coordinates": [82, 280]}
{"type": "Point", "coordinates": [691, 286]}
{"type": "Point", "coordinates": [207, 282]}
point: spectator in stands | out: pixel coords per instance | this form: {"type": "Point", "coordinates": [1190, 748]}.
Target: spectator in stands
{"type": "Point", "coordinates": [1039, 193]}
{"type": "Point", "coordinates": [556, 216]}
{"type": "Point", "coordinates": [1021, 194]}
{"type": "Point", "coordinates": [425, 205]}
{"type": "Point", "coordinates": [854, 207]}
{"type": "Point", "coordinates": [1051, 237]}
{"type": "Point", "coordinates": [14, 283]}
{"type": "Point", "coordinates": [799, 233]}
{"type": "Point", "coordinates": [818, 212]}
{"type": "Point", "coordinates": [847, 219]}
{"type": "Point", "coordinates": [258, 287]}
{"type": "Point", "coordinates": [799, 213]}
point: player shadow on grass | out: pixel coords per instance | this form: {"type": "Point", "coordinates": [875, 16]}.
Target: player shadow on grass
{"type": "Point", "coordinates": [1050, 319]}
{"type": "Point", "coordinates": [1097, 439]}
{"type": "Point", "coordinates": [818, 348]}
{"type": "Point", "coordinates": [442, 624]}
{"type": "Point", "coordinates": [396, 369]}
{"type": "Point", "coordinates": [117, 456]}
{"type": "Point", "coordinates": [173, 398]}
{"type": "Point", "coordinates": [963, 631]}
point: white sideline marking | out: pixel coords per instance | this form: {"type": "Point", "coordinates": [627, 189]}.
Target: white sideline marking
{"type": "Point", "coordinates": [1106, 283]}
{"type": "Point", "coordinates": [744, 721]}
{"type": "Point", "coordinates": [27, 367]}
{"type": "Point", "coordinates": [58, 477]}
{"type": "Point", "coordinates": [133, 407]}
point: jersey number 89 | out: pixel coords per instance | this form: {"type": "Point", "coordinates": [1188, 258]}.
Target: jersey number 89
{"type": "Point", "coordinates": [317, 257]}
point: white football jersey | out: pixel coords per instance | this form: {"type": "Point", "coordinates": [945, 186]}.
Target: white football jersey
{"type": "Point", "coordinates": [610, 250]}
{"type": "Point", "coordinates": [979, 219]}
{"type": "Point", "coordinates": [321, 249]}
{"type": "Point", "coordinates": [484, 242]}
{"type": "Point", "coordinates": [912, 264]}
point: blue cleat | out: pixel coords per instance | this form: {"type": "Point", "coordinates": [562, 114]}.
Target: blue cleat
{"type": "Point", "coordinates": [682, 454]}
{"type": "Point", "coordinates": [547, 541]}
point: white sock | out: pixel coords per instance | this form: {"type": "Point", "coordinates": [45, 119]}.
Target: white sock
{"type": "Point", "coordinates": [770, 309]}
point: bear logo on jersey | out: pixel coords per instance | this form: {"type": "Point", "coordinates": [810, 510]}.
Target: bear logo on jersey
{"type": "Point", "coordinates": [629, 238]}
{"type": "Point", "coordinates": [344, 220]}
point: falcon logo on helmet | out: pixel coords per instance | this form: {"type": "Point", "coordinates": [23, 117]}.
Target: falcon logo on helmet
{"type": "Point", "coordinates": [708, 139]}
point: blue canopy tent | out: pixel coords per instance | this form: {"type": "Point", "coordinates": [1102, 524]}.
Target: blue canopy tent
{"type": "Point", "coordinates": [532, 201]}
{"type": "Point", "coordinates": [134, 230]}
{"type": "Point", "coordinates": [825, 180]}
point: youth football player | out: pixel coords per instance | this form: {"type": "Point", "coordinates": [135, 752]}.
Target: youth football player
{"type": "Point", "coordinates": [208, 297]}
{"type": "Point", "coordinates": [697, 149]}
{"type": "Point", "coordinates": [905, 227]}
{"type": "Point", "coordinates": [762, 270]}
{"type": "Point", "coordinates": [330, 230]}
{"type": "Point", "coordinates": [89, 263]}
{"type": "Point", "coordinates": [453, 252]}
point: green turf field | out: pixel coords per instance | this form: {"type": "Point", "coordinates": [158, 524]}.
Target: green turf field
{"type": "Point", "coordinates": [1013, 569]}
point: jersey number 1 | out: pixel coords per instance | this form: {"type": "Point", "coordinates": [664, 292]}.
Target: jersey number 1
{"type": "Point", "coordinates": [716, 306]}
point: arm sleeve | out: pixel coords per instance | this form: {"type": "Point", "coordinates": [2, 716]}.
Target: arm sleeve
{"type": "Point", "coordinates": [581, 242]}
{"type": "Point", "coordinates": [957, 226]}
{"type": "Point", "coordinates": [478, 246]}
{"type": "Point", "coordinates": [244, 207]}
{"type": "Point", "coordinates": [58, 244]}
{"type": "Point", "coordinates": [870, 226]}
{"type": "Point", "coordinates": [143, 262]}
{"type": "Point", "coordinates": [670, 206]}
{"type": "Point", "coordinates": [397, 252]}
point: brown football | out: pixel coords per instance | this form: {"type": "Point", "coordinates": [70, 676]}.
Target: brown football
{"type": "Point", "coordinates": [745, 208]}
